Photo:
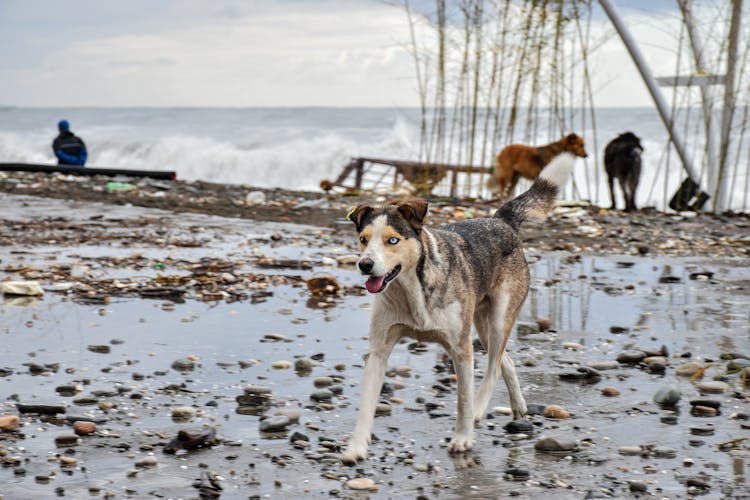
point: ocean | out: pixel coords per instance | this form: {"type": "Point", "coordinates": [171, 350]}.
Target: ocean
{"type": "Point", "coordinates": [296, 148]}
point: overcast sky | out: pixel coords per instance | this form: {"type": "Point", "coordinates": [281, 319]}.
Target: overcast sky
{"type": "Point", "coordinates": [252, 53]}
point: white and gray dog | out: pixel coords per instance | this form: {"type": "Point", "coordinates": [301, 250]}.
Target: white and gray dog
{"type": "Point", "coordinates": [433, 284]}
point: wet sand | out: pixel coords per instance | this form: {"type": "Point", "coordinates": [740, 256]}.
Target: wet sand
{"type": "Point", "coordinates": [129, 291]}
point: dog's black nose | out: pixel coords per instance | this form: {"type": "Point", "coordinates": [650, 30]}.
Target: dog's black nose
{"type": "Point", "coordinates": [366, 265]}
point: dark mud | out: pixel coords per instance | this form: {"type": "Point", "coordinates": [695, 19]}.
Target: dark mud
{"type": "Point", "coordinates": [145, 367]}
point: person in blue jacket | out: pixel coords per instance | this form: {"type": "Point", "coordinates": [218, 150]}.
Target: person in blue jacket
{"type": "Point", "coordinates": [68, 147]}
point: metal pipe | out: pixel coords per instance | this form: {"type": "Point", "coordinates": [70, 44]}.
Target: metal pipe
{"type": "Point", "coordinates": [653, 87]}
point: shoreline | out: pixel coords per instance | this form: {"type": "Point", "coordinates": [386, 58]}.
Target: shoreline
{"type": "Point", "coordinates": [573, 227]}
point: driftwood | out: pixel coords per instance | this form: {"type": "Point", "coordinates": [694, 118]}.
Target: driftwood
{"type": "Point", "coordinates": [423, 176]}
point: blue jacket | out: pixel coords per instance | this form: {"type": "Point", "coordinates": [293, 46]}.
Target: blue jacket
{"type": "Point", "coordinates": [69, 149]}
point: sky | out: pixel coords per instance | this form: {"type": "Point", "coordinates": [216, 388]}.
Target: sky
{"type": "Point", "coordinates": [254, 53]}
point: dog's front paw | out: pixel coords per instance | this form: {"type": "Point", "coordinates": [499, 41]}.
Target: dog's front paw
{"type": "Point", "coordinates": [355, 452]}
{"type": "Point", "coordinates": [520, 411]}
{"type": "Point", "coordinates": [461, 443]}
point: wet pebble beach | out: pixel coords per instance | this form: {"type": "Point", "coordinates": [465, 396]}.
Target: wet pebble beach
{"type": "Point", "coordinates": [188, 355]}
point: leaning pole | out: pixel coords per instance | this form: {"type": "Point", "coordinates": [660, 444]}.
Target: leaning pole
{"type": "Point", "coordinates": [653, 87]}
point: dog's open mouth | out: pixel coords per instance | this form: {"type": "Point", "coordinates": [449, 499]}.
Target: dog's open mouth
{"type": "Point", "coordinates": [375, 284]}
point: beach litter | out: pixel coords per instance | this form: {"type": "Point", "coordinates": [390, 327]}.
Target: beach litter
{"type": "Point", "coordinates": [21, 288]}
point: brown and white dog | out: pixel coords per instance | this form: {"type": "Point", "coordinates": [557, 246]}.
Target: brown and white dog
{"type": "Point", "coordinates": [519, 160]}
{"type": "Point", "coordinates": [433, 284]}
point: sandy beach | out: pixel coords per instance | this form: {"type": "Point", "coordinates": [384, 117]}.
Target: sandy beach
{"type": "Point", "coordinates": [204, 321]}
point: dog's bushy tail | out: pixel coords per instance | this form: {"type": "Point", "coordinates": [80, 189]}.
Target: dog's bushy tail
{"type": "Point", "coordinates": [540, 198]}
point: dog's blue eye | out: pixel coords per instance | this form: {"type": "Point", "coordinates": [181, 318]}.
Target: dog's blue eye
{"type": "Point", "coordinates": [393, 240]}
{"type": "Point", "coordinates": [363, 240]}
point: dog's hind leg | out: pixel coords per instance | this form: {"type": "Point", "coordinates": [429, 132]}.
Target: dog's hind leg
{"type": "Point", "coordinates": [381, 345]}
{"type": "Point", "coordinates": [611, 183]}
{"type": "Point", "coordinates": [517, 402]}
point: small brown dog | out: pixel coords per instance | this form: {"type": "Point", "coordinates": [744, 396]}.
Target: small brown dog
{"type": "Point", "coordinates": [528, 161]}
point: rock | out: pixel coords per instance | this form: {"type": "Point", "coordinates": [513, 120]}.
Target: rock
{"type": "Point", "coordinates": [322, 395]}
{"type": "Point", "coordinates": [703, 411]}
{"type": "Point", "coordinates": [68, 390]}
{"type": "Point", "coordinates": [304, 365]}
{"type": "Point", "coordinates": [83, 428]}
{"type": "Point", "coordinates": [323, 381]}
{"type": "Point", "coordinates": [555, 411]}
{"type": "Point", "coordinates": [555, 444]}
{"type": "Point", "coordinates": [519, 426]}
{"type": "Point", "coordinates": [276, 337]}
{"type": "Point", "coordinates": [147, 462]}
{"type": "Point", "coordinates": [525, 328]}
{"type": "Point", "coordinates": [281, 365]}
{"type": "Point", "coordinates": [630, 450]}
{"type": "Point", "coordinates": [191, 440]}
{"type": "Point", "coordinates": [382, 409]}
{"type": "Point", "coordinates": [66, 461]}
{"type": "Point", "coordinates": [631, 357]}
{"type": "Point", "coordinates": [101, 349]}
{"type": "Point", "coordinates": [663, 452]}
{"type": "Point", "coordinates": [711, 403]}
{"type": "Point", "coordinates": [65, 440]}
{"type": "Point", "coordinates": [41, 409]}
{"type": "Point", "coordinates": [638, 486]}
{"type": "Point", "coordinates": [290, 413]}
{"type": "Point", "coordinates": [298, 436]}
{"type": "Point", "coordinates": [656, 367]}
{"type": "Point", "coordinates": [610, 391]}
{"type": "Point", "coordinates": [183, 365]}
{"type": "Point", "coordinates": [667, 396]}
{"type": "Point", "coordinates": [581, 373]}
{"type": "Point", "coordinates": [738, 364]}
{"type": "Point", "coordinates": [535, 409]}
{"type": "Point", "coordinates": [618, 329]}
{"type": "Point", "coordinates": [502, 410]}
{"type": "Point", "coordinates": [654, 359]}
{"type": "Point", "coordinates": [688, 369]}
{"type": "Point", "coordinates": [604, 365]}
{"type": "Point", "coordinates": [347, 260]}
{"type": "Point", "coordinates": [712, 387]}
{"type": "Point", "coordinates": [9, 423]}
{"type": "Point", "coordinates": [182, 413]}
{"type": "Point", "coordinates": [361, 483]}
{"type": "Point", "coordinates": [277, 423]}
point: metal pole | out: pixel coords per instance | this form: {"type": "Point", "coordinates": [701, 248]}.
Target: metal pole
{"type": "Point", "coordinates": [653, 87]}
{"type": "Point", "coordinates": [706, 93]}
{"type": "Point", "coordinates": [727, 112]}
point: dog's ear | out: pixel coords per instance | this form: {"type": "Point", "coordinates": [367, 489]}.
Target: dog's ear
{"type": "Point", "coordinates": [572, 138]}
{"type": "Point", "coordinates": [358, 213]}
{"type": "Point", "coordinates": [414, 211]}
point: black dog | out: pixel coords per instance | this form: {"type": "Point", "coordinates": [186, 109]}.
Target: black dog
{"type": "Point", "coordinates": [622, 160]}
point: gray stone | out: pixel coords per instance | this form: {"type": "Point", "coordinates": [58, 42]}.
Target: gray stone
{"type": "Point", "coordinates": [712, 387]}
{"type": "Point", "coordinates": [555, 444]}
{"type": "Point", "coordinates": [183, 365]}
{"type": "Point", "coordinates": [632, 356]}
{"type": "Point", "coordinates": [663, 452]}
{"type": "Point", "coordinates": [667, 396]}
{"type": "Point", "coordinates": [277, 423]}
{"type": "Point", "coordinates": [322, 395]}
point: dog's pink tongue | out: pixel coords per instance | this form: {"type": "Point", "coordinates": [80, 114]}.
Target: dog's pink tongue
{"type": "Point", "coordinates": [374, 283]}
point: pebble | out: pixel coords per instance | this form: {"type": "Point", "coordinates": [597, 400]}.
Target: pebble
{"type": "Point", "coordinates": [630, 450]}
{"type": "Point", "coordinates": [277, 423]}
{"type": "Point", "coordinates": [544, 324]}
{"type": "Point", "coordinates": [555, 411]}
{"type": "Point", "coordinates": [519, 426]}
{"type": "Point", "coordinates": [632, 356]}
{"type": "Point", "coordinates": [83, 428]}
{"type": "Point", "coordinates": [9, 423]}
{"type": "Point", "coordinates": [292, 414]}
{"type": "Point", "coordinates": [703, 411]}
{"type": "Point", "coordinates": [656, 367]}
{"type": "Point", "coordinates": [663, 452]}
{"type": "Point", "coordinates": [610, 391]}
{"type": "Point", "coordinates": [66, 461]}
{"type": "Point", "coordinates": [281, 365]}
{"type": "Point", "coordinates": [551, 443]}
{"type": "Point", "coordinates": [667, 396]}
{"type": "Point", "coordinates": [304, 365]}
{"type": "Point", "coordinates": [502, 410]}
{"type": "Point", "coordinates": [605, 365]}
{"type": "Point", "coordinates": [688, 369]}
{"type": "Point", "coordinates": [361, 483]}
{"type": "Point", "coordinates": [403, 371]}
{"type": "Point", "coordinates": [382, 409]}
{"type": "Point", "coordinates": [323, 381]}
{"type": "Point", "coordinates": [654, 359]}
{"type": "Point", "coordinates": [712, 387]}
{"type": "Point", "coordinates": [66, 440]}
{"type": "Point", "coordinates": [147, 462]}
{"type": "Point", "coordinates": [183, 365]}
{"type": "Point", "coordinates": [322, 395]}
{"type": "Point", "coordinates": [638, 486]}
{"type": "Point", "coordinates": [101, 349]}
{"type": "Point", "coordinates": [276, 337]}
{"type": "Point", "coordinates": [182, 413]}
